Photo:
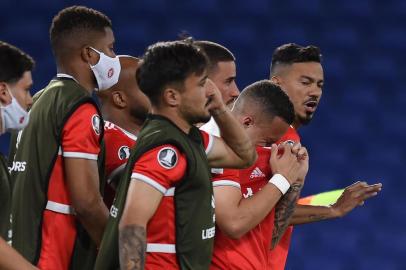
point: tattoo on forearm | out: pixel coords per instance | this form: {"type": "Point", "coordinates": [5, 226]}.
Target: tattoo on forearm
{"type": "Point", "coordinates": [284, 211]}
{"type": "Point", "coordinates": [313, 218]}
{"type": "Point", "coordinates": [132, 247]}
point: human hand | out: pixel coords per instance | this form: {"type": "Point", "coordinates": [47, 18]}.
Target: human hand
{"type": "Point", "coordinates": [215, 104]}
{"type": "Point", "coordinates": [354, 196]}
{"type": "Point", "coordinates": [283, 161]}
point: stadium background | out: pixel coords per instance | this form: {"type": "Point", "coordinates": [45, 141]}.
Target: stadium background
{"type": "Point", "coordinates": [358, 130]}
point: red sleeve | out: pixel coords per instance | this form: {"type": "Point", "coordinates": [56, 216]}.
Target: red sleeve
{"type": "Point", "coordinates": [80, 135]}
{"type": "Point", "coordinates": [290, 136]}
{"type": "Point", "coordinates": [117, 145]}
{"type": "Point", "coordinates": [208, 141]}
{"type": "Point", "coordinates": [225, 177]}
{"type": "Point", "coordinates": [161, 167]}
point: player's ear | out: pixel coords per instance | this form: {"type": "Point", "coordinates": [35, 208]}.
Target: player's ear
{"type": "Point", "coordinates": [247, 121]}
{"type": "Point", "coordinates": [172, 97]}
{"type": "Point", "coordinates": [276, 80]}
{"type": "Point", "coordinates": [5, 97]}
{"type": "Point", "coordinates": [119, 99]}
{"type": "Point", "coordinates": [89, 55]}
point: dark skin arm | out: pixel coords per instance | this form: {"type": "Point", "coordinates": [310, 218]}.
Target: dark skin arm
{"type": "Point", "coordinates": [353, 196]}
{"type": "Point", "coordinates": [82, 178]}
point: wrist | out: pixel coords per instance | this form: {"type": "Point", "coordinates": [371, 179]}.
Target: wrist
{"type": "Point", "coordinates": [280, 182]}
{"type": "Point", "coordinates": [335, 212]}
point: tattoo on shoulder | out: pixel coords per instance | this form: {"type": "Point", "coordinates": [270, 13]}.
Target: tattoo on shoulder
{"type": "Point", "coordinates": [132, 247]}
{"type": "Point", "coordinates": [284, 211]}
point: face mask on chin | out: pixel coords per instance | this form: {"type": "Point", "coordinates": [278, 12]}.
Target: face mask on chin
{"type": "Point", "coordinates": [106, 71]}
{"type": "Point", "coordinates": [13, 116]}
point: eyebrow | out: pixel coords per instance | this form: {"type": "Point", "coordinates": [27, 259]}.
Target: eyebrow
{"type": "Point", "coordinates": [310, 78]}
{"type": "Point", "coordinates": [204, 78]}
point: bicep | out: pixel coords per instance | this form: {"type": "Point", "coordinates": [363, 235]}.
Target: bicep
{"type": "Point", "coordinates": [141, 203]}
{"type": "Point", "coordinates": [227, 199]}
{"type": "Point", "coordinates": [82, 179]}
{"type": "Point", "coordinates": [221, 155]}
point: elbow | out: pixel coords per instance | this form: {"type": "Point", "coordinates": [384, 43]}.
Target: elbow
{"type": "Point", "coordinates": [233, 231]}
{"type": "Point", "coordinates": [86, 208]}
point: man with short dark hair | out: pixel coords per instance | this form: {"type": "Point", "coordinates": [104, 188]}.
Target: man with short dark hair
{"type": "Point", "coordinates": [57, 205]}
{"type": "Point", "coordinates": [168, 173]}
{"type": "Point", "coordinates": [298, 71]}
{"type": "Point", "coordinates": [15, 99]}
{"type": "Point", "coordinates": [222, 71]}
{"type": "Point", "coordinates": [246, 219]}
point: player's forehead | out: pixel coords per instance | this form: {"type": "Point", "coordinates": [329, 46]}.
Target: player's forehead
{"type": "Point", "coordinates": [312, 70]}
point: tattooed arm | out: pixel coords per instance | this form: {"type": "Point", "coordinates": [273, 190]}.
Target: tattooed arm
{"type": "Point", "coordinates": [286, 206]}
{"type": "Point", "coordinates": [142, 202]}
{"type": "Point", "coordinates": [133, 246]}
{"type": "Point", "coordinates": [284, 211]}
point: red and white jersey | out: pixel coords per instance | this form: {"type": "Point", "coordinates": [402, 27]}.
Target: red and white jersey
{"type": "Point", "coordinates": [80, 139]}
{"type": "Point", "coordinates": [279, 254]}
{"type": "Point", "coordinates": [163, 167]}
{"type": "Point", "coordinates": [118, 143]}
{"type": "Point", "coordinates": [252, 250]}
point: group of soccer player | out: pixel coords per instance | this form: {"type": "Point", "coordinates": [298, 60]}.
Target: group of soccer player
{"type": "Point", "coordinates": [169, 166]}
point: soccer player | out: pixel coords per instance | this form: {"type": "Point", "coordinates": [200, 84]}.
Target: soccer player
{"type": "Point", "coordinates": [299, 73]}
{"type": "Point", "coordinates": [124, 108]}
{"type": "Point", "coordinates": [168, 172]}
{"type": "Point", "coordinates": [15, 99]}
{"type": "Point", "coordinates": [246, 220]}
{"type": "Point", "coordinates": [222, 72]}
{"type": "Point", "coordinates": [56, 202]}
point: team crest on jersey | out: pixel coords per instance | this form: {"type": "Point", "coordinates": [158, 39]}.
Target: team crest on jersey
{"type": "Point", "coordinates": [123, 152]}
{"type": "Point", "coordinates": [96, 124]}
{"type": "Point", "coordinates": [167, 157]}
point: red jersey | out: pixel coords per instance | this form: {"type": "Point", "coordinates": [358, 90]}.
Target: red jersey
{"type": "Point", "coordinates": [279, 254]}
{"type": "Point", "coordinates": [118, 143]}
{"type": "Point", "coordinates": [252, 250]}
{"type": "Point", "coordinates": [80, 139]}
{"type": "Point", "coordinates": [162, 168]}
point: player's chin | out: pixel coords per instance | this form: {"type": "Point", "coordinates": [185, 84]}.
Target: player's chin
{"type": "Point", "coordinates": [306, 119]}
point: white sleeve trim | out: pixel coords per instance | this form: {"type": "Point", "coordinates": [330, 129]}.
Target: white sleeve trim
{"type": "Point", "coordinates": [210, 144]}
{"type": "Point", "coordinates": [79, 155]}
{"type": "Point", "coordinates": [230, 183]}
{"type": "Point", "coordinates": [149, 181]}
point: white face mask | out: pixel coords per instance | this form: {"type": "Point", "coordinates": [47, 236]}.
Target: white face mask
{"type": "Point", "coordinates": [13, 116]}
{"type": "Point", "coordinates": [106, 71]}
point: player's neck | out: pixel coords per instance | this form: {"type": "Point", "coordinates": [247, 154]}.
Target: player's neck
{"type": "Point", "coordinates": [173, 115]}
{"type": "Point", "coordinates": [296, 124]}
{"type": "Point", "coordinates": [81, 77]}
{"type": "Point", "coordinates": [124, 121]}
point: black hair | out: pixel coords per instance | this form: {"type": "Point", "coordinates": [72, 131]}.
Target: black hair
{"type": "Point", "coordinates": [74, 22]}
{"type": "Point", "coordinates": [270, 98]}
{"type": "Point", "coordinates": [291, 53]}
{"type": "Point", "coordinates": [215, 52]}
{"type": "Point", "coordinates": [13, 63]}
{"type": "Point", "coordinates": [166, 63]}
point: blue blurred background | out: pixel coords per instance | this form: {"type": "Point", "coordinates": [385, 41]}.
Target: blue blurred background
{"type": "Point", "coordinates": [358, 126]}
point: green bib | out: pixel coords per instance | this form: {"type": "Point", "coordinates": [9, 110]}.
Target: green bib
{"type": "Point", "coordinates": [193, 198]}
{"type": "Point", "coordinates": [38, 146]}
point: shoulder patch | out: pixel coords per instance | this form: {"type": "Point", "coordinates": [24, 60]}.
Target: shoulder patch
{"type": "Point", "coordinates": [96, 123]}
{"type": "Point", "coordinates": [167, 157]}
{"type": "Point", "coordinates": [123, 152]}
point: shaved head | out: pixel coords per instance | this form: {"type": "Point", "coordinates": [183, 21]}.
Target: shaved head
{"type": "Point", "coordinates": [125, 97]}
